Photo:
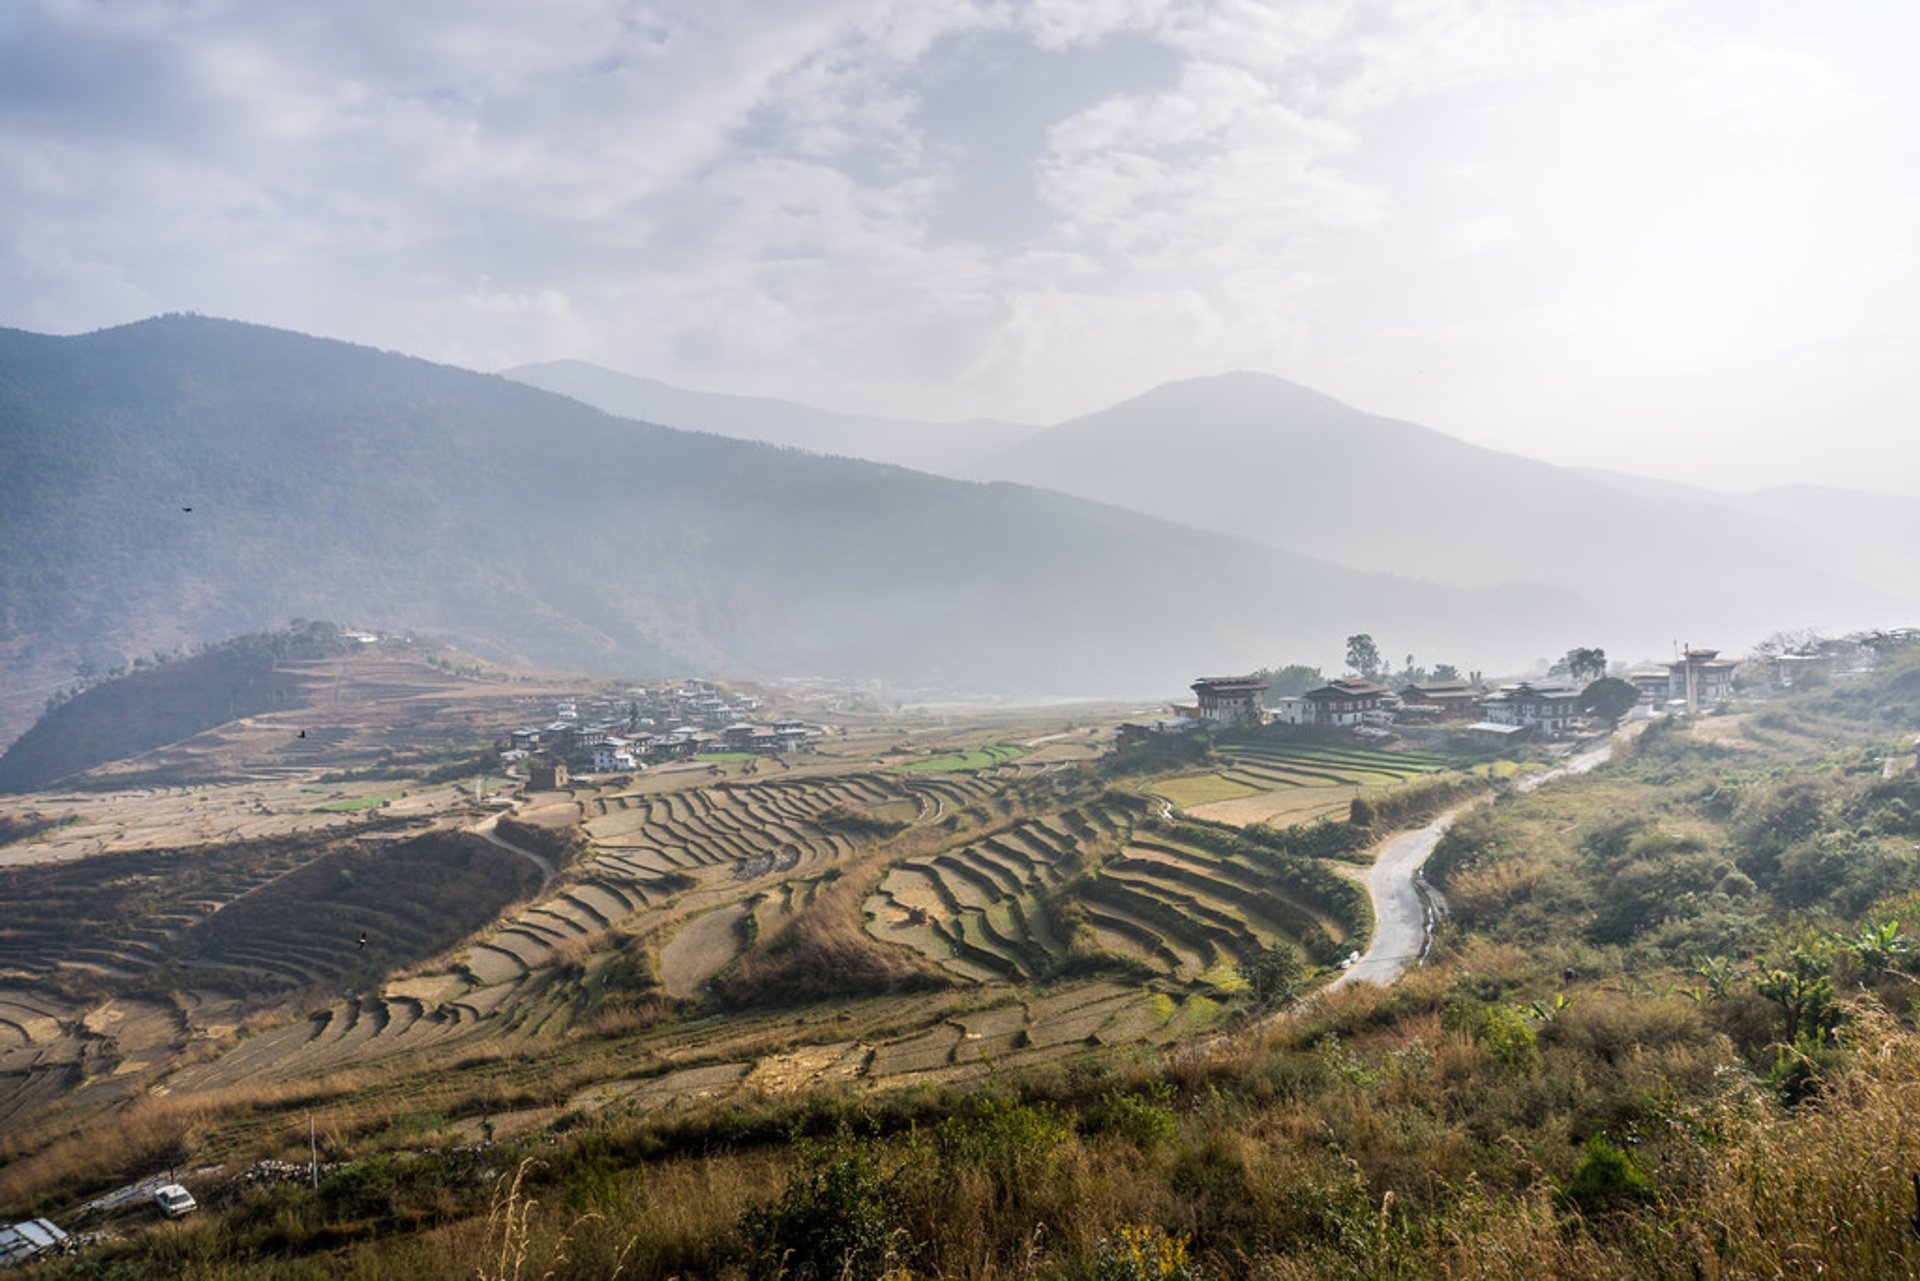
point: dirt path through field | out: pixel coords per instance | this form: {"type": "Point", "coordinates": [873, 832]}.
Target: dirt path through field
{"type": "Point", "coordinates": [485, 832]}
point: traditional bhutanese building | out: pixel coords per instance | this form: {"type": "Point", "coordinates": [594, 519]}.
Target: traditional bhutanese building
{"type": "Point", "coordinates": [1549, 710]}
{"type": "Point", "coordinates": [1229, 700]}
{"type": "Point", "coordinates": [1344, 703]}
{"type": "Point", "coordinates": [1700, 678]}
{"type": "Point", "coordinates": [1457, 700]}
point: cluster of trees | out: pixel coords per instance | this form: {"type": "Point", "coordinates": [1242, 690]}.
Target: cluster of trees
{"type": "Point", "coordinates": [1364, 658]}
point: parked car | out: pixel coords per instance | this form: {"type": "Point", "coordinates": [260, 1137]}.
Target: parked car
{"type": "Point", "coordinates": [174, 1200]}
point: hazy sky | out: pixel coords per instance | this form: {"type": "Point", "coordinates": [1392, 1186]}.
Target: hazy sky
{"type": "Point", "coordinates": [1676, 238]}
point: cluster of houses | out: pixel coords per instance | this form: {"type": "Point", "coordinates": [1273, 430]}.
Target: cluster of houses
{"type": "Point", "coordinates": [670, 723]}
{"type": "Point", "coordinates": [1827, 658]}
{"type": "Point", "coordinates": [1541, 710]}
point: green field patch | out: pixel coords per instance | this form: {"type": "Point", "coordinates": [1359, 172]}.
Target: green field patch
{"type": "Point", "coordinates": [357, 803]}
{"type": "Point", "coordinates": [726, 756]}
{"type": "Point", "coordinates": [1225, 976]}
{"type": "Point", "coordinates": [963, 762]}
{"type": "Point", "coordinates": [1199, 789]}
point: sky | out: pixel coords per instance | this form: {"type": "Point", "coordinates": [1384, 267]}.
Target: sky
{"type": "Point", "coordinates": [1678, 239]}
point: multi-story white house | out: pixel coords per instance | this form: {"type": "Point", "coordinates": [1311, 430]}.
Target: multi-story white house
{"type": "Point", "coordinates": [1227, 701]}
{"type": "Point", "coordinates": [1549, 710]}
{"type": "Point", "coordinates": [611, 755]}
{"type": "Point", "coordinates": [1344, 702]}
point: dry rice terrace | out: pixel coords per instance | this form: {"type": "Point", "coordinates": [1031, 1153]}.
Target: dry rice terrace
{"type": "Point", "coordinates": [714, 930]}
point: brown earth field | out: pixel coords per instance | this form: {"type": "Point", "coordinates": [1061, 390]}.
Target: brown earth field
{"type": "Point", "coordinates": [210, 955]}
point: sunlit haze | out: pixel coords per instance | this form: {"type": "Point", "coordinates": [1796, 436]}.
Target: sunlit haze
{"type": "Point", "coordinates": [1668, 238]}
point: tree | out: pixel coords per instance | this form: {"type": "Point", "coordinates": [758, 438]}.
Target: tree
{"type": "Point", "coordinates": [1445, 672]}
{"type": "Point", "coordinates": [1294, 678]}
{"type": "Point", "coordinates": [1586, 664]}
{"type": "Point", "coordinates": [1363, 655]}
{"type": "Point", "coordinates": [1609, 698]}
{"type": "Point", "coordinates": [1275, 974]}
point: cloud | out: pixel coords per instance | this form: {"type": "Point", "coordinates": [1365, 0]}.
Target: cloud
{"type": "Point", "coordinates": [1755, 88]}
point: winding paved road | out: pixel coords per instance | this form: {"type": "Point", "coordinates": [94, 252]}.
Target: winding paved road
{"type": "Point", "coordinates": [1403, 903]}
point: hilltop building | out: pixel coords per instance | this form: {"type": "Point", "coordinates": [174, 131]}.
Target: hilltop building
{"type": "Point", "coordinates": [1227, 701]}
{"type": "Point", "coordinates": [1653, 683]}
{"type": "Point", "coordinates": [1700, 678]}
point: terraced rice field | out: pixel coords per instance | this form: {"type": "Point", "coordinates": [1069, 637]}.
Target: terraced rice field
{"type": "Point", "coordinates": [686, 870]}
{"type": "Point", "coordinates": [1291, 783]}
{"type": "Point", "coordinates": [988, 911]}
{"type": "Point", "coordinates": [977, 910]}
{"type": "Point", "coordinates": [1192, 913]}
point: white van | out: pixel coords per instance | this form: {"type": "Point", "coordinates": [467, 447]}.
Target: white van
{"type": "Point", "coordinates": [174, 1200]}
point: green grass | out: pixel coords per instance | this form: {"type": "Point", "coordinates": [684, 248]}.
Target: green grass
{"type": "Point", "coordinates": [358, 803]}
{"type": "Point", "coordinates": [959, 762]}
{"type": "Point", "coordinates": [726, 756]}
{"type": "Point", "coordinates": [1199, 789]}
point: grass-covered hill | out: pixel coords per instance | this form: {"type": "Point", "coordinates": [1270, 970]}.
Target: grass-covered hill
{"type": "Point", "coordinates": [332, 481]}
{"type": "Point", "coordinates": [154, 705]}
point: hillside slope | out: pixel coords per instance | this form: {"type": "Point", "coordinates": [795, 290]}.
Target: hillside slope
{"type": "Point", "coordinates": [333, 481]}
{"type": "Point", "coordinates": [946, 449]}
{"type": "Point", "coordinates": [163, 704]}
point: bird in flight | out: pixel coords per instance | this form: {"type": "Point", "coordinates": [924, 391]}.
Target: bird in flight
{"type": "Point", "coordinates": [363, 938]}
{"type": "Point", "coordinates": [186, 509]}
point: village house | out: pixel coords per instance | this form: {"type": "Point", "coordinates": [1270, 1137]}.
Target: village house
{"type": "Point", "coordinates": [1340, 703]}
{"type": "Point", "coordinates": [546, 776]}
{"type": "Point", "coordinates": [612, 755]}
{"type": "Point", "coordinates": [1453, 700]}
{"type": "Point", "coordinates": [1652, 682]}
{"type": "Point", "coordinates": [1166, 729]}
{"type": "Point", "coordinates": [1495, 735]}
{"type": "Point", "coordinates": [1548, 710]}
{"type": "Point", "coordinates": [1229, 701]}
{"type": "Point", "coordinates": [592, 735]}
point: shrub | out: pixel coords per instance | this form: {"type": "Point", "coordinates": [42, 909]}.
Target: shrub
{"type": "Point", "coordinates": [1144, 1122]}
{"type": "Point", "coordinates": [1142, 1252]}
{"type": "Point", "coordinates": [1506, 1035]}
{"type": "Point", "coordinates": [836, 1219]}
{"type": "Point", "coordinates": [1607, 1178]}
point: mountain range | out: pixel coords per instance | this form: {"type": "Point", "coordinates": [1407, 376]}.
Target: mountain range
{"type": "Point", "coordinates": [1268, 460]}
{"type": "Point", "coordinates": [945, 449]}
{"type": "Point", "coordinates": [183, 479]}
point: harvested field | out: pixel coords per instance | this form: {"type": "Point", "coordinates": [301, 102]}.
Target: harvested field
{"type": "Point", "coordinates": [1191, 790]}
{"type": "Point", "coordinates": [700, 948]}
{"type": "Point", "coordinates": [1281, 808]}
